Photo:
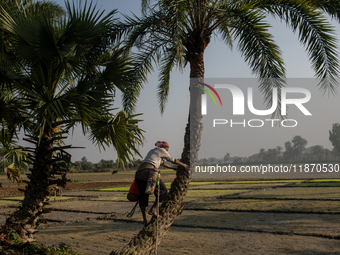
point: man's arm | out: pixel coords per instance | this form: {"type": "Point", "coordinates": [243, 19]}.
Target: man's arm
{"type": "Point", "coordinates": [167, 156]}
{"type": "Point", "coordinates": [169, 166]}
{"type": "Point", "coordinates": [177, 162]}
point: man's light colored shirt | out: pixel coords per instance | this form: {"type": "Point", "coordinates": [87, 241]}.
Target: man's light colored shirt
{"type": "Point", "coordinates": [156, 156]}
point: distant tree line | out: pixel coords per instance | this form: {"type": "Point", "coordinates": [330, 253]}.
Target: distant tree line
{"type": "Point", "coordinates": [102, 166]}
{"type": "Point", "coordinates": [295, 150]}
{"type": "Point", "coordinates": [83, 165]}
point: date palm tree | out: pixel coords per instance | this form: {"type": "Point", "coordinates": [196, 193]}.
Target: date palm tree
{"type": "Point", "coordinates": [58, 72]}
{"type": "Point", "coordinates": [173, 33]}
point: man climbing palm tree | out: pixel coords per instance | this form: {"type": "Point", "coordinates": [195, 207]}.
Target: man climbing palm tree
{"type": "Point", "coordinates": [146, 177]}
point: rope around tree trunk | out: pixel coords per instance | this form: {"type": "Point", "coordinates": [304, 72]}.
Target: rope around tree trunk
{"type": "Point", "coordinates": [158, 178]}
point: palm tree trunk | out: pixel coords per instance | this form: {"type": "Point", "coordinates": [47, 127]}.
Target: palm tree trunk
{"type": "Point", "coordinates": [24, 220]}
{"type": "Point", "coordinates": [144, 243]}
{"type": "Point", "coordinates": [193, 131]}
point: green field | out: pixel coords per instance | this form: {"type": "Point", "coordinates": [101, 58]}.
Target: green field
{"type": "Point", "coordinates": [257, 195]}
{"type": "Point", "coordinates": [319, 195]}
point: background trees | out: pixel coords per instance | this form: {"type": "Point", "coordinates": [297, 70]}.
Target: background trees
{"type": "Point", "coordinates": [227, 157]}
{"type": "Point", "coordinates": [318, 152]}
{"type": "Point", "coordinates": [334, 137]}
{"type": "Point", "coordinates": [295, 150]}
{"type": "Point", "coordinates": [299, 144]}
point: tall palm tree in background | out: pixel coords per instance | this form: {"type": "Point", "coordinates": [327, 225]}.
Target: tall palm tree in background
{"type": "Point", "coordinates": [57, 72]}
{"type": "Point", "coordinates": [173, 33]}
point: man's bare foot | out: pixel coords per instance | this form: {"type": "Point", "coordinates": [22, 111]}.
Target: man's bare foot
{"type": "Point", "coordinates": [146, 223]}
{"type": "Point", "coordinates": [154, 213]}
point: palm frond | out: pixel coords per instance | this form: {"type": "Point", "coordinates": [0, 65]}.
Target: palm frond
{"type": "Point", "coordinates": [156, 36]}
{"type": "Point", "coordinates": [167, 64]}
{"type": "Point", "coordinates": [258, 48]}
{"type": "Point", "coordinates": [122, 72]}
{"type": "Point", "coordinates": [315, 33]}
{"type": "Point", "coordinates": [331, 7]}
{"type": "Point", "coordinates": [13, 173]}
{"type": "Point", "coordinates": [13, 153]}
{"type": "Point", "coordinates": [122, 132]}
{"type": "Point", "coordinates": [11, 111]}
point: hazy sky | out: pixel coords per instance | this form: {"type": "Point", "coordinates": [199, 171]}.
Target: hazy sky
{"type": "Point", "coordinates": [220, 62]}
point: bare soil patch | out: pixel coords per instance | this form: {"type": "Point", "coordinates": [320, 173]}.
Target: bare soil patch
{"type": "Point", "coordinates": [101, 237]}
{"type": "Point", "coordinates": [291, 206]}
